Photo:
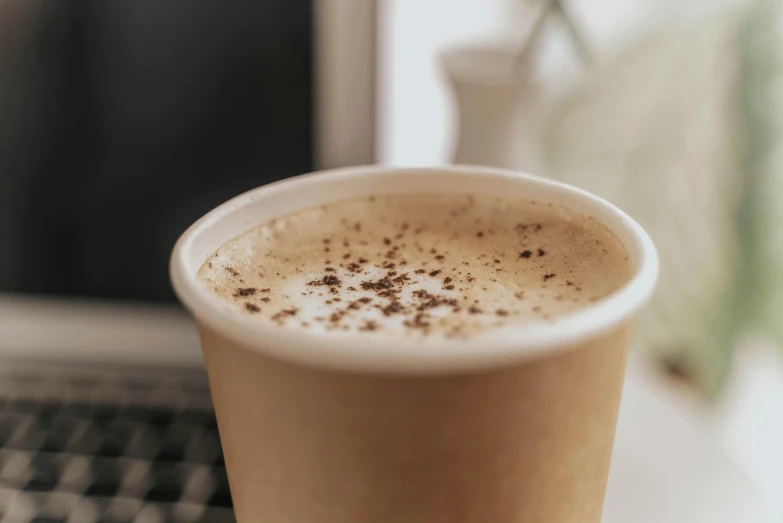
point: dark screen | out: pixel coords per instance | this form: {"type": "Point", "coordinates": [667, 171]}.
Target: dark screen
{"type": "Point", "coordinates": [122, 122]}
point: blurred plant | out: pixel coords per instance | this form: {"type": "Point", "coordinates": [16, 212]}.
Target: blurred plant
{"type": "Point", "coordinates": [762, 216]}
{"type": "Point", "coordinates": [658, 132]}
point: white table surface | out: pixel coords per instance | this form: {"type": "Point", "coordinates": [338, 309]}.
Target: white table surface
{"type": "Point", "coordinates": [667, 468]}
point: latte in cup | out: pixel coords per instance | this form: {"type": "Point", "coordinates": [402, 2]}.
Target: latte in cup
{"type": "Point", "coordinates": [418, 266]}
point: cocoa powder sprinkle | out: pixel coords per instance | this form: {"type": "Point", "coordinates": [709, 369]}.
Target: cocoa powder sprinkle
{"type": "Point", "coordinates": [381, 288]}
{"type": "Point", "coordinates": [331, 280]}
{"type": "Point", "coordinates": [369, 325]}
{"type": "Point", "coordinates": [383, 283]}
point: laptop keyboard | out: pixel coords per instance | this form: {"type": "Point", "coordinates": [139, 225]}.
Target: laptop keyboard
{"type": "Point", "coordinates": [109, 449]}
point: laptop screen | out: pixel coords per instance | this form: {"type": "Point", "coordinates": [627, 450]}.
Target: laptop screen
{"type": "Point", "coordinates": [125, 121]}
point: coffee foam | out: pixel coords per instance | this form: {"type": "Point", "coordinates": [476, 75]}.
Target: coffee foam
{"type": "Point", "coordinates": [418, 266]}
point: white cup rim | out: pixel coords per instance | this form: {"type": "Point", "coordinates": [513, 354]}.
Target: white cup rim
{"type": "Point", "coordinates": [360, 353]}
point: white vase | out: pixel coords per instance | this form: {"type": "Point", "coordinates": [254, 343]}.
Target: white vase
{"type": "Point", "coordinates": [498, 108]}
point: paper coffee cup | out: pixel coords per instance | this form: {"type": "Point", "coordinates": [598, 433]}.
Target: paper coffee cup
{"type": "Point", "coordinates": [334, 429]}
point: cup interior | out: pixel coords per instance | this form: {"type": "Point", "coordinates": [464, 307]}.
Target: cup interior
{"type": "Point", "coordinates": [357, 353]}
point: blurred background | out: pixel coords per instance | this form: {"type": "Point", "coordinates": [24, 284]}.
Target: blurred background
{"type": "Point", "coordinates": [123, 122]}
